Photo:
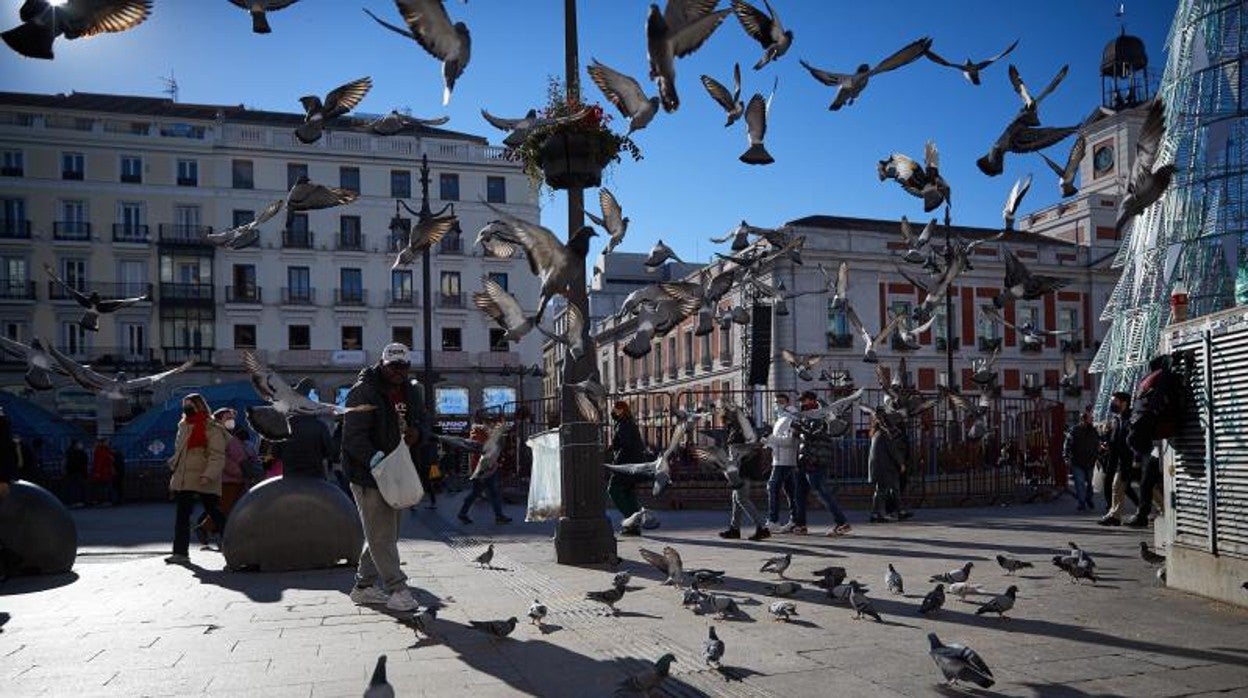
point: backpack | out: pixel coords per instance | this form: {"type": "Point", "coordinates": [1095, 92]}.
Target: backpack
{"type": "Point", "coordinates": [1163, 396]}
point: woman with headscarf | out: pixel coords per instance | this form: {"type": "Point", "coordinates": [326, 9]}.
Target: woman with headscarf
{"type": "Point", "coordinates": [197, 464]}
{"type": "Point", "coordinates": [885, 465]}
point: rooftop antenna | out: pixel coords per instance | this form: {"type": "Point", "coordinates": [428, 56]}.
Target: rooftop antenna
{"type": "Point", "coordinates": [171, 86]}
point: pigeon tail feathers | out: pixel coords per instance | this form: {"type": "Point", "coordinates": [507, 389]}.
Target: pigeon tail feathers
{"type": "Point", "coordinates": [757, 155]}
{"type": "Point", "coordinates": [260, 23]}
{"type": "Point", "coordinates": [30, 40]}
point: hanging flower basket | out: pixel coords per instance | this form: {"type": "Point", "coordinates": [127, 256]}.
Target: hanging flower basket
{"type": "Point", "coordinates": [569, 160]}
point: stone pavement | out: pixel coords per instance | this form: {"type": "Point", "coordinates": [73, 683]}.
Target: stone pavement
{"type": "Point", "coordinates": [126, 624]}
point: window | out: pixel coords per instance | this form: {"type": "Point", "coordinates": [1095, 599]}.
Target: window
{"type": "Point", "coordinates": [895, 308]}
{"type": "Point", "coordinates": [132, 277]}
{"type": "Point", "coordinates": [399, 234]}
{"type": "Point", "coordinates": [351, 282]}
{"type": "Point", "coordinates": [72, 166]}
{"type": "Point", "coordinates": [989, 332]}
{"type": "Point", "coordinates": [499, 277]}
{"type": "Point", "coordinates": [73, 339]}
{"type": "Point", "coordinates": [400, 184]}
{"type": "Point", "coordinates": [448, 186]}
{"type": "Point", "coordinates": [15, 331]}
{"type": "Point", "coordinates": [185, 270]}
{"type": "Point", "coordinates": [74, 273]}
{"type": "Point", "coordinates": [131, 169]}
{"type": "Point", "coordinates": [244, 336]}
{"type": "Point", "coordinates": [450, 289]}
{"type": "Point", "coordinates": [837, 329]}
{"type": "Point", "coordinates": [299, 223]}
{"type": "Point", "coordinates": [130, 222]}
{"type": "Point", "coordinates": [243, 174]}
{"type": "Point", "coordinates": [295, 170]}
{"type": "Point", "coordinates": [1027, 314]}
{"type": "Point", "coordinates": [349, 178]}
{"type": "Point", "coordinates": [13, 219]}
{"type": "Point", "coordinates": [299, 337]}
{"type": "Point", "coordinates": [352, 337]}
{"type": "Point", "coordinates": [243, 279]}
{"type": "Point", "coordinates": [14, 279]}
{"type": "Point", "coordinates": [133, 340]}
{"type": "Point", "coordinates": [73, 223]}
{"type": "Point", "coordinates": [297, 234]}
{"type": "Point", "coordinates": [187, 332]}
{"type": "Point", "coordinates": [188, 173]}
{"type": "Point", "coordinates": [299, 283]}
{"type": "Point", "coordinates": [452, 339]}
{"type": "Point", "coordinates": [496, 190]}
{"type": "Point", "coordinates": [402, 335]}
{"type": "Point", "coordinates": [1066, 319]}
{"type": "Point", "coordinates": [498, 339]}
{"type": "Point", "coordinates": [243, 217]}
{"type": "Point", "coordinates": [349, 236]}
{"type": "Point", "coordinates": [401, 286]}
{"type": "Point", "coordinates": [12, 164]}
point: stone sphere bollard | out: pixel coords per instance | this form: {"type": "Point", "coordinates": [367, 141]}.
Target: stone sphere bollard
{"type": "Point", "coordinates": [37, 534]}
{"type": "Point", "coordinates": [292, 523]}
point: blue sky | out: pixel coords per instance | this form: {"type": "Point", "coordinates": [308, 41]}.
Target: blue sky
{"type": "Point", "coordinates": [690, 184]}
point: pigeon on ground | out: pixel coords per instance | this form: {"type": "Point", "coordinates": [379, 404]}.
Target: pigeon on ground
{"type": "Point", "coordinates": [723, 606]}
{"type": "Point", "coordinates": [657, 560]}
{"type": "Point", "coordinates": [701, 576]}
{"type": "Point", "coordinates": [1017, 192]}
{"type": "Point", "coordinates": [871, 343]}
{"type": "Point", "coordinates": [959, 663]}
{"type": "Point", "coordinates": [1021, 284]}
{"type": "Point", "coordinates": [634, 520]}
{"type": "Point", "coordinates": [1066, 173]}
{"type": "Point", "coordinates": [962, 589]}
{"type": "Point", "coordinates": [647, 681]}
{"type": "Point", "coordinates": [258, 8]}
{"type": "Point", "coordinates": [1070, 565]}
{"type": "Point", "coordinates": [782, 610]}
{"type": "Point", "coordinates": [518, 130]}
{"type": "Point", "coordinates": [503, 309]}
{"type": "Point", "coordinates": [783, 589]}
{"type": "Point", "coordinates": [307, 196]}
{"type": "Point", "coordinates": [485, 558]}
{"type": "Point", "coordinates": [339, 101]}
{"type": "Point", "coordinates": [610, 597]}
{"type": "Point", "coordinates": [272, 420]}
{"type": "Point", "coordinates": [497, 628]}
{"type": "Point", "coordinates": [924, 182]}
{"type": "Point", "coordinates": [537, 612]}
{"type": "Point", "coordinates": [953, 576]}
{"type": "Point", "coordinates": [713, 648]}
{"type": "Point", "coordinates": [831, 573]}
{"type": "Point", "coordinates": [692, 596]}
{"type": "Point", "coordinates": [1149, 556]}
{"type": "Point", "coordinates": [378, 686]}
{"type": "Point", "coordinates": [93, 303]}
{"type": "Point", "coordinates": [626, 94]}
{"type": "Point", "coordinates": [756, 130]}
{"type": "Point", "coordinates": [777, 564]}
{"type": "Point", "coordinates": [893, 581]}
{"type": "Point", "coordinates": [396, 122]}
{"type": "Point", "coordinates": [766, 29]}
{"type": "Point", "coordinates": [425, 235]}
{"type": "Point", "coordinates": [491, 450]}
{"type": "Point", "coordinates": [675, 568]}
{"type": "Point", "coordinates": [1010, 565]}
{"type": "Point", "coordinates": [1146, 184]}
{"type": "Point", "coordinates": [44, 20]}
{"type": "Point", "coordinates": [969, 68]}
{"type": "Point", "coordinates": [730, 101]}
{"type": "Point", "coordinates": [613, 219]}
{"type": "Point", "coordinates": [842, 592]}
{"type": "Point", "coordinates": [422, 622]}
{"type": "Point", "coordinates": [118, 388]}
{"type": "Point", "coordinates": [933, 601]}
{"type": "Point", "coordinates": [554, 263]}
{"type": "Point", "coordinates": [999, 604]}
{"type": "Point", "coordinates": [850, 86]}
{"type": "Point", "coordinates": [429, 26]}
{"type": "Point", "coordinates": [621, 579]}
{"type": "Point", "coordinates": [247, 234]}
{"type": "Point", "coordinates": [861, 604]}
{"type": "Point", "coordinates": [39, 362]}
{"type": "Point", "coordinates": [1081, 555]}
{"type": "Point", "coordinates": [682, 28]}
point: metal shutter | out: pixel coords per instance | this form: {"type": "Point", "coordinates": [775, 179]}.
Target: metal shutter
{"type": "Point", "coordinates": [1230, 423]}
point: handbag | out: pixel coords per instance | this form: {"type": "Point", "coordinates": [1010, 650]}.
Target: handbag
{"type": "Point", "coordinates": [397, 479]}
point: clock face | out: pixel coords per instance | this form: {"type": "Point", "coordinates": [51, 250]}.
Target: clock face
{"type": "Point", "coordinates": [1103, 159]}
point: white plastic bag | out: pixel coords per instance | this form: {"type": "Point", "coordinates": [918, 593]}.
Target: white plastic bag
{"type": "Point", "coordinates": [397, 479]}
{"type": "Point", "coordinates": [545, 501]}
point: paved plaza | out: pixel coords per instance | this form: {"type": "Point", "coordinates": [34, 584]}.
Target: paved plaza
{"type": "Point", "coordinates": [126, 624]}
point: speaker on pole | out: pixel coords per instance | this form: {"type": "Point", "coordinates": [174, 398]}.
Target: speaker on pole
{"type": "Point", "coordinates": [760, 344]}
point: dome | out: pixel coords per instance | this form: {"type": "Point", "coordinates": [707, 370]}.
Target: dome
{"type": "Point", "coordinates": [1123, 56]}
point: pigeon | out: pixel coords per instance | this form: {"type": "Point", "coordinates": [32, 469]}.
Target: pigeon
{"type": "Point", "coordinates": [648, 680]}
{"type": "Point", "coordinates": [682, 28]}
{"type": "Point", "coordinates": [498, 628]}
{"type": "Point", "coordinates": [841, 592]}
{"type": "Point", "coordinates": [830, 576]}
{"type": "Point", "coordinates": [924, 182]}
{"type": "Point", "coordinates": [495, 239]}
{"type": "Point", "coordinates": [838, 286]}
{"type": "Point", "coordinates": [1017, 192]}
{"type": "Point", "coordinates": [872, 342]}
{"type": "Point", "coordinates": [633, 521]}
{"type": "Point", "coordinates": [1070, 565]}
{"type": "Point", "coordinates": [491, 450]}
{"type": "Point", "coordinates": [1010, 565]}
{"type": "Point", "coordinates": [701, 576]}
{"type": "Point", "coordinates": [723, 606]}
{"type": "Point", "coordinates": [397, 122]}
{"type": "Point", "coordinates": [518, 130]}
{"type": "Point", "coordinates": [893, 581]}
{"type": "Point", "coordinates": [730, 101]}
{"type": "Point", "coordinates": [378, 687]}
{"type": "Point", "coordinates": [933, 601]}
{"type": "Point", "coordinates": [613, 219]}
{"type": "Point", "coordinates": [503, 309]}
{"type": "Point", "coordinates": [657, 560]}
{"type": "Point", "coordinates": [537, 612]}
{"type": "Point", "coordinates": [421, 623]}
{"type": "Point", "coordinates": [574, 335]}
{"type": "Point", "coordinates": [953, 576]}
{"type": "Point", "coordinates": [959, 663]}
{"type": "Point", "coordinates": [661, 467]}
{"type": "Point", "coordinates": [93, 303]}
{"type": "Point", "coordinates": [917, 243]}
{"type": "Point", "coordinates": [756, 123]}
{"type": "Point", "coordinates": [1146, 184]}
{"type": "Point", "coordinates": [485, 558]}
{"type": "Point", "coordinates": [118, 388]}
{"type": "Point", "coordinates": [802, 363]}
{"type": "Point", "coordinates": [258, 8]}
{"type": "Point", "coordinates": [740, 237]}
{"type": "Point", "coordinates": [909, 334]}
{"type": "Point", "coordinates": [692, 597]}
{"type": "Point", "coordinates": [962, 589]}
{"type": "Point", "coordinates": [621, 579]}
{"type": "Point", "coordinates": [1021, 284]}
{"type": "Point", "coordinates": [675, 568]}
{"type": "Point", "coordinates": [459, 443]}
{"type": "Point", "coordinates": [766, 29]}
{"type": "Point", "coordinates": [861, 604]}
{"type": "Point", "coordinates": [426, 234]}
{"type": "Point", "coordinates": [783, 589]}
{"type": "Point", "coordinates": [429, 26]}
{"type": "Point", "coordinates": [1149, 556]}
{"type": "Point", "coordinates": [610, 597]}
{"type": "Point", "coordinates": [782, 610]}
{"type": "Point", "coordinates": [659, 254]}
{"type": "Point", "coordinates": [713, 648]}
{"type": "Point", "coordinates": [248, 234]}
{"type": "Point", "coordinates": [44, 20]}
{"type": "Point", "coordinates": [590, 397]}
{"type": "Point", "coordinates": [983, 371]}
{"type": "Point", "coordinates": [554, 263]}
{"type": "Point", "coordinates": [777, 564]}
{"type": "Point", "coordinates": [850, 86]}
{"type": "Point", "coordinates": [626, 94]}
{"type": "Point", "coordinates": [272, 421]}
{"type": "Point", "coordinates": [999, 604]}
{"type": "Point", "coordinates": [339, 101]}
{"type": "Point", "coordinates": [39, 362]}
{"type": "Point", "coordinates": [969, 68]}
{"type": "Point", "coordinates": [1029, 333]}
{"type": "Point", "coordinates": [1070, 371]}
{"type": "Point", "coordinates": [306, 196]}
{"type": "Point", "coordinates": [1081, 555]}
{"type": "Point", "coordinates": [1066, 174]}
{"type": "Point", "coordinates": [1023, 134]}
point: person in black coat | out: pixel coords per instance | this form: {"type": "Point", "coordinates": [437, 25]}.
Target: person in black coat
{"type": "Point", "coordinates": [626, 447]}
{"type": "Point", "coordinates": [76, 466]}
{"type": "Point", "coordinates": [8, 455]}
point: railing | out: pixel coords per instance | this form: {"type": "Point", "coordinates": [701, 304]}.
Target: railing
{"type": "Point", "coordinates": [298, 296]}
{"type": "Point", "coordinates": [17, 290]}
{"type": "Point", "coordinates": [58, 292]}
{"type": "Point", "coordinates": [243, 294]}
{"type": "Point", "coordinates": [12, 172]}
{"type": "Point", "coordinates": [132, 178]}
{"type": "Point", "coordinates": [121, 356]}
{"type": "Point", "coordinates": [451, 245]}
{"type": "Point", "coordinates": [71, 175]}
{"type": "Point", "coordinates": [402, 299]}
{"type": "Point", "coordinates": [1073, 345]}
{"type": "Point", "coordinates": [181, 234]}
{"type": "Point", "coordinates": [188, 181]}
{"type": "Point", "coordinates": [125, 232]}
{"type": "Point", "coordinates": [989, 343]}
{"type": "Point", "coordinates": [176, 355]}
{"type": "Point", "coordinates": [186, 292]}
{"type": "Point", "coordinates": [450, 300]}
{"type": "Point", "coordinates": [297, 239]}
{"type": "Point", "coordinates": [71, 230]}
{"type": "Point", "coordinates": [15, 229]}
{"type": "Point", "coordinates": [350, 242]}
{"type": "Point", "coordinates": [840, 341]}
{"type": "Point", "coordinates": [942, 344]}
{"type": "Point", "coordinates": [350, 296]}
{"type": "Point", "coordinates": [1031, 347]}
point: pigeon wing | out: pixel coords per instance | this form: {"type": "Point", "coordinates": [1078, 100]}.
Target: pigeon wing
{"type": "Point", "coordinates": [81, 374]}
{"type": "Point", "coordinates": [719, 93]}
{"type": "Point", "coordinates": [114, 304]}
{"type": "Point", "coordinates": [612, 213]}
{"type": "Point", "coordinates": [755, 23]}
{"type": "Point", "coordinates": [1057, 80]}
{"type": "Point", "coordinates": [78, 296]}
{"type": "Point", "coordinates": [431, 27]}
{"type": "Point", "coordinates": [344, 98]}
{"type": "Point", "coordinates": [857, 324]}
{"type": "Point", "coordinates": [87, 18]}
{"type": "Point", "coordinates": [621, 90]}
{"type": "Point", "coordinates": [1148, 143]}
{"type": "Point", "coordinates": [756, 118]}
{"type": "Point", "coordinates": [828, 78]}
{"type": "Point", "coordinates": [431, 232]}
{"type": "Point", "coordinates": [659, 561]}
{"type": "Point", "coordinates": [263, 378]}
{"type": "Point", "coordinates": [1030, 140]}
{"type": "Point", "coordinates": [318, 196]}
{"type": "Point", "coordinates": [540, 245]}
{"type": "Point", "coordinates": [499, 122]}
{"type": "Point", "coordinates": [137, 384]}
{"type": "Point", "coordinates": [15, 348]}
{"type": "Point", "coordinates": [500, 305]}
{"type": "Point", "coordinates": [908, 54]}
{"type": "Point", "coordinates": [989, 61]}
{"type": "Point", "coordinates": [1020, 87]}
{"type": "Point", "coordinates": [687, 37]}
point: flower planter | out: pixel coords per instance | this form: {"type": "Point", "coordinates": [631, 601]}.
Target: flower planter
{"type": "Point", "coordinates": [568, 161]}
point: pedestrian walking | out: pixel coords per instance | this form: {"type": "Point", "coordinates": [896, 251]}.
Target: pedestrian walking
{"type": "Point", "coordinates": [238, 457]}
{"type": "Point", "coordinates": [744, 467]}
{"type": "Point", "coordinates": [816, 450]}
{"type": "Point", "coordinates": [1080, 450]}
{"type": "Point", "coordinates": [197, 463]}
{"type": "Point", "coordinates": [102, 474]}
{"type": "Point", "coordinates": [76, 469]}
{"type": "Point", "coordinates": [626, 446]}
{"type": "Point", "coordinates": [486, 483]}
{"type": "Point", "coordinates": [885, 464]}
{"type": "Point", "coordinates": [783, 444]}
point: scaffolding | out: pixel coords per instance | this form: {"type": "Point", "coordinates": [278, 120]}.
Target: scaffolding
{"type": "Point", "coordinates": [1198, 231]}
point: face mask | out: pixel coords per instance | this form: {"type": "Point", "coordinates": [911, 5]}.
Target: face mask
{"type": "Point", "coordinates": [188, 410]}
{"type": "Point", "coordinates": [229, 424]}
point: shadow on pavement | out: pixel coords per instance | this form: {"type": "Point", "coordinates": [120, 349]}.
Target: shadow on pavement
{"type": "Point", "coordinates": [267, 587]}
{"type": "Point", "coordinates": [34, 583]}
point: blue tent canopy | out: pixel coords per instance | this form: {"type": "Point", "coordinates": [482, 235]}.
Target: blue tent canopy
{"type": "Point", "coordinates": [150, 437]}
{"type": "Point", "coordinates": [32, 421]}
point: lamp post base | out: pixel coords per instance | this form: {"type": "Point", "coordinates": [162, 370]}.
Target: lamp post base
{"type": "Point", "coordinates": [585, 542]}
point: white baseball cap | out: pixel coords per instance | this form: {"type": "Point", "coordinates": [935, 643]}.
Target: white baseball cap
{"type": "Point", "coordinates": [395, 353]}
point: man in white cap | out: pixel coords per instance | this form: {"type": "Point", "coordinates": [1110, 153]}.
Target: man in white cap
{"type": "Point", "coordinates": [367, 437]}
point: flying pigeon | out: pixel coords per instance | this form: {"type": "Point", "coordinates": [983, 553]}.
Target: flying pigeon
{"type": "Point", "coordinates": [783, 589]}
{"type": "Point", "coordinates": [44, 20]}
{"type": "Point", "coordinates": [658, 561]}
{"type": "Point", "coordinates": [553, 263]}
{"type": "Point", "coordinates": [537, 612]}
{"type": "Point", "coordinates": [959, 663]}
{"type": "Point", "coordinates": [1021, 284]}
{"type": "Point", "coordinates": [258, 8]}
{"type": "Point", "coordinates": [574, 334]}
{"type": "Point", "coordinates": [756, 127]}
{"type": "Point", "coordinates": [999, 604]}
{"type": "Point", "coordinates": [713, 648]}
{"type": "Point", "coordinates": [1146, 184]}
{"type": "Point", "coordinates": [247, 234]}
{"type": "Point", "coordinates": [497, 628]}
{"type": "Point", "coordinates": [917, 243]}
{"type": "Point", "coordinates": [777, 564]}
{"type": "Point", "coordinates": [635, 519]}
{"type": "Point", "coordinates": [425, 235]}
{"type": "Point", "coordinates": [378, 687]}
{"type": "Point", "coordinates": [871, 342]}
{"type": "Point", "coordinates": [485, 558]}
{"type": "Point", "coordinates": [861, 604]}
{"type": "Point", "coordinates": [496, 239]}
{"type": "Point", "coordinates": [491, 450]}
{"type": "Point", "coordinates": [518, 130]}
{"type": "Point", "coordinates": [429, 26]}
{"type": "Point", "coordinates": [782, 610]}
{"type": "Point", "coordinates": [1066, 174]}
{"type": "Point", "coordinates": [850, 86]}
{"type": "Point", "coordinates": [272, 421]}
{"type": "Point", "coordinates": [676, 574]}
{"type": "Point", "coordinates": [93, 303]}
{"type": "Point", "coordinates": [339, 101]}
{"type": "Point", "coordinates": [909, 334]}
{"type": "Point", "coordinates": [1149, 556]}
{"type": "Point", "coordinates": [682, 28]}
{"type": "Point", "coordinates": [933, 601]}
{"type": "Point", "coordinates": [953, 576]}
{"type": "Point", "coordinates": [838, 286]}
{"type": "Point", "coordinates": [503, 309]}
{"type": "Point", "coordinates": [802, 363]}
{"type": "Point", "coordinates": [1070, 371]}
{"type": "Point", "coordinates": [610, 597]}
{"type": "Point", "coordinates": [1017, 192]}
{"type": "Point", "coordinates": [397, 122]}
{"type": "Point", "coordinates": [613, 219]}
{"type": "Point", "coordinates": [650, 679]}
{"type": "Point", "coordinates": [661, 467]}
{"type": "Point", "coordinates": [924, 182]}
{"type": "Point", "coordinates": [740, 236]}
{"type": "Point", "coordinates": [730, 101]}
{"type": "Point", "coordinates": [659, 254]}
{"type": "Point", "coordinates": [590, 398]}
{"type": "Point", "coordinates": [118, 388]}
{"type": "Point", "coordinates": [626, 94]}
{"type": "Point", "coordinates": [977, 412]}
{"type": "Point", "coordinates": [983, 371]}
{"type": "Point", "coordinates": [1024, 134]}
{"type": "Point", "coordinates": [893, 581]}
{"type": "Point", "coordinates": [39, 362]}
{"type": "Point", "coordinates": [306, 196]}
{"type": "Point", "coordinates": [1029, 333]}
{"type": "Point", "coordinates": [766, 29]}
{"type": "Point", "coordinates": [969, 68]}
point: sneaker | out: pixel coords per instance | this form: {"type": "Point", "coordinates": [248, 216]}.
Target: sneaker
{"type": "Point", "coordinates": [841, 530]}
{"type": "Point", "coordinates": [402, 601]}
{"type": "Point", "coordinates": [1136, 521]}
{"type": "Point", "coordinates": [369, 596]}
{"type": "Point", "coordinates": [800, 530]}
{"type": "Point", "coordinates": [760, 533]}
{"type": "Point", "coordinates": [787, 528]}
{"type": "Point", "coordinates": [733, 533]}
{"type": "Point", "coordinates": [502, 519]}
{"type": "Point", "coordinates": [1108, 520]}
{"type": "Point", "coordinates": [178, 560]}
{"type": "Point", "coordinates": [463, 518]}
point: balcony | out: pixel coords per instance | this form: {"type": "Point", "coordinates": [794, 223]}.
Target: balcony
{"type": "Point", "coordinates": [177, 355]}
{"type": "Point", "coordinates": [1031, 347]}
{"type": "Point", "coordinates": [180, 234]}
{"type": "Point", "coordinates": [188, 181]}
{"type": "Point", "coordinates": [125, 232]}
{"type": "Point", "coordinates": [119, 358]}
{"type": "Point", "coordinates": [297, 239]}
{"type": "Point", "coordinates": [298, 296]}
{"type": "Point", "coordinates": [400, 299]}
{"type": "Point", "coordinates": [57, 292]}
{"type": "Point", "coordinates": [942, 344]}
{"type": "Point", "coordinates": [17, 290]}
{"type": "Point", "coordinates": [14, 230]}
{"type": "Point", "coordinates": [450, 300]}
{"type": "Point", "coordinates": [898, 344]}
{"type": "Point", "coordinates": [989, 343]}
{"type": "Point", "coordinates": [705, 363]}
{"type": "Point", "coordinates": [71, 230]}
{"type": "Point", "coordinates": [350, 242]}
{"type": "Point", "coordinates": [1072, 345]}
{"type": "Point", "coordinates": [243, 294]}
{"type": "Point", "coordinates": [12, 172]}
{"type": "Point", "coordinates": [355, 297]}
{"type": "Point", "coordinates": [1033, 390]}
{"type": "Point", "coordinates": [186, 292]}
{"type": "Point", "coordinates": [451, 245]}
{"type": "Point", "coordinates": [840, 341]}
{"type": "Point", "coordinates": [72, 175]}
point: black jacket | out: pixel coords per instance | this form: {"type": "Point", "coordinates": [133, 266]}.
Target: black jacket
{"type": "Point", "coordinates": [309, 444]}
{"type": "Point", "coordinates": [815, 446]}
{"type": "Point", "coordinates": [8, 452]}
{"type": "Point", "coordinates": [1081, 445]}
{"type": "Point", "coordinates": [365, 433]}
{"type": "Point", "coordinates": [626, 447]}
{"type": "Point", "coordinates": [76, 462]}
